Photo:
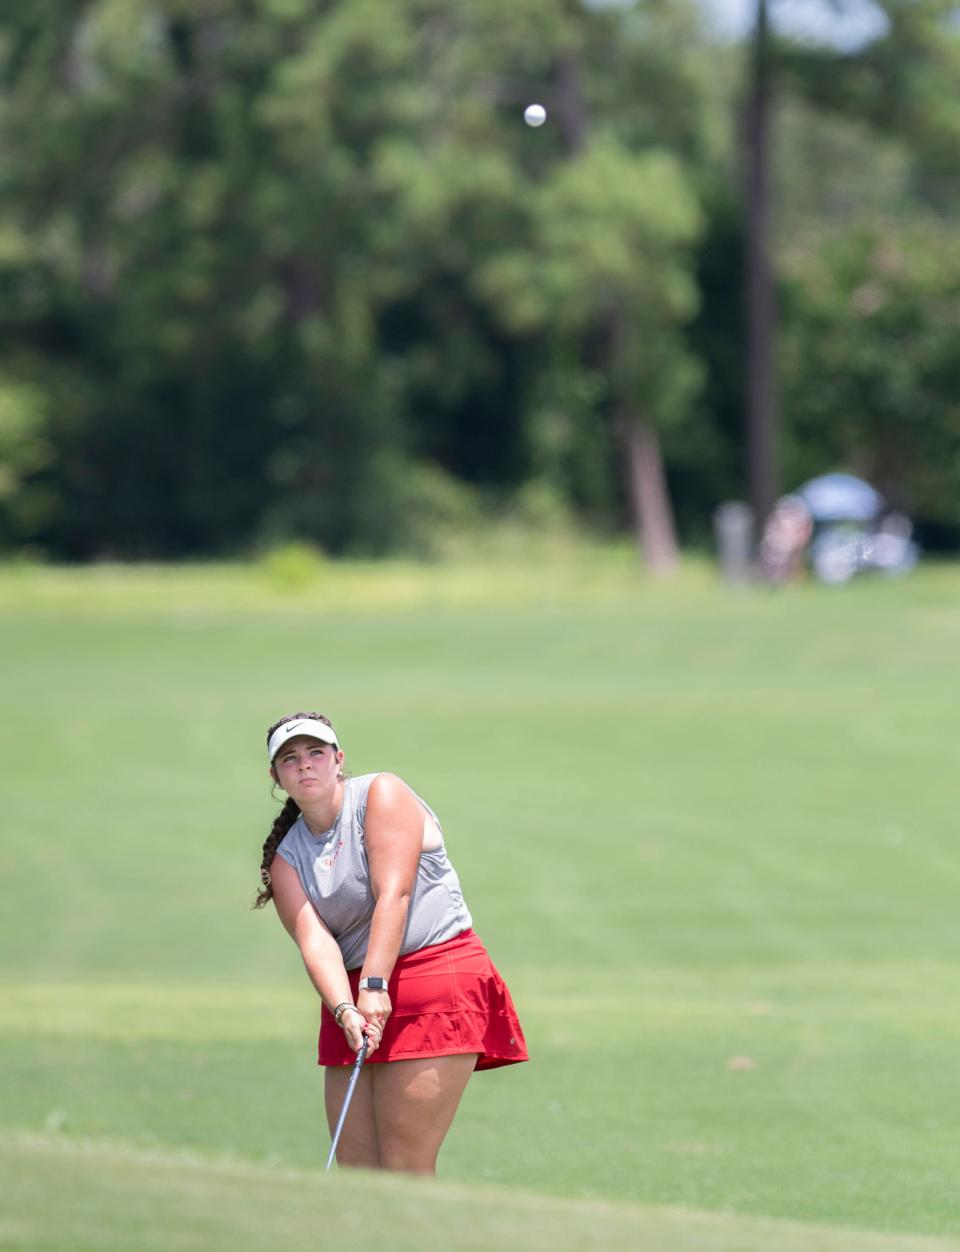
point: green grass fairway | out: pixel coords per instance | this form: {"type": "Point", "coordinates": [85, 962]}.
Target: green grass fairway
{"type": "Point", "coordinates": [709, 837]}
{"type": "Point", "coordinates": [113, 1199]}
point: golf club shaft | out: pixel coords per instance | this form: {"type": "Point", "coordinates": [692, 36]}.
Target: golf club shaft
{"type": "Point", "coordinates": [361, 1057]}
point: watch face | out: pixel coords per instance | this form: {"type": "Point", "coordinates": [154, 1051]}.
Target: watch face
{"type": "Point", "coordinates": [376, 984]}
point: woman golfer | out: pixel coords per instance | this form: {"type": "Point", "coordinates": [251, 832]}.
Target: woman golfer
{"type": "Point", "coordinates": [359, 875]}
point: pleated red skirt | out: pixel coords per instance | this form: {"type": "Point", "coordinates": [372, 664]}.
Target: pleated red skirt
{"type": "Point", "coordinates": [447, 999]}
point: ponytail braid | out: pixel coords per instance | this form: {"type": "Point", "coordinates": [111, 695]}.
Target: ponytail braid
{"type": "Point", "coordinates": [282, 823]}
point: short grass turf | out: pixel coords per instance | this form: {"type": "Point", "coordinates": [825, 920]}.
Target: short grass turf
{"type": "Point", "coordinates": [708, 836]}
{"type": "Point", "coordinates": [114, 1199]}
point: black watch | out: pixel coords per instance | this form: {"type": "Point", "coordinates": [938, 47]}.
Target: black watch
{"type": "Point", "coordinates": [373, 984]}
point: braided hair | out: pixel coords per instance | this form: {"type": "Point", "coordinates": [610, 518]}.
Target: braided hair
{"type": "Point", "coordinates": [284, 819]}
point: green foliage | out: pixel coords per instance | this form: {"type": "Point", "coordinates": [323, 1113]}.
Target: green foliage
{"type": "Point", "coordinates": [862, 173]}
{"type": "Point", "coordinates": [298, 270]}
{"type": "Point", "coordinates": [611, 226]}
{"type": "Point", "coordinates": [607, 273]}
{"type": "Point", "coordinates": [293, 566]}
{"type": "Point", "coordinates": [438, 515]}
{"type": "Point", "coordinates": [254, 250]}
{"type": "Point", "coordinates": [901, 83]}
{"type": "Point", "coordinates": [869, 259]}
{"type": "Point", "coordinates": [871, 376]}
{"type": "Point", "coordinates": [25, 450]}
{"type": "Point", "coordinates": [572, 447]}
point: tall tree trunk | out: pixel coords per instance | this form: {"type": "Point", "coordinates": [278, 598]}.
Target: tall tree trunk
{"type": "Point", "coordinates": [649, 497]}
{"type": "Point", "coordinates": [761, 418]}
{"type": "Point", "coordinates": [650, 507]}
{"type": "Point", "coordinates": [569, 108]}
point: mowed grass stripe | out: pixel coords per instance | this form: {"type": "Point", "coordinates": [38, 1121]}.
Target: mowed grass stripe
{"type": "Point", "coordinates": [128, 1012]}
{"type": "Point", "coordinates": [111, 1198]}
{"type": "Point", "coordinates": [914, 999]}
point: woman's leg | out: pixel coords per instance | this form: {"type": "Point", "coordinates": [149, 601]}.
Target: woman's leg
{"type": "Point", "coordinates": [414, 1103]}
{"type": "Point", "coordinates": [359, 1144]}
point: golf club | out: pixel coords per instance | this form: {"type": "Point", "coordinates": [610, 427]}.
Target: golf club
{"type": "Point", "coordinates": [361, 1057]}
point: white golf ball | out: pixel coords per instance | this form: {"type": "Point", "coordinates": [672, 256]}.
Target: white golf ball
{"type": "Point", "coordinates": [534, 115]}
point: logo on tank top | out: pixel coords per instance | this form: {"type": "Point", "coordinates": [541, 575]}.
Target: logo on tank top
{"type": "Point", "coordinates": [326, 863]}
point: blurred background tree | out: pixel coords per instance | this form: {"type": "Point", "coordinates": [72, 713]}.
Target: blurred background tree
{"type": "Point", "coordinates": [296, 268]}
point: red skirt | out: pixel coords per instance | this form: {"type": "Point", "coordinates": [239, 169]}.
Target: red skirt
{"type": "Point", "coordinates": [447, 999]}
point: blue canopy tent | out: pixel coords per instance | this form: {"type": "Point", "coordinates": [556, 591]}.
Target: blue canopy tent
{"type": "Point", "coordinates": [841, 498]}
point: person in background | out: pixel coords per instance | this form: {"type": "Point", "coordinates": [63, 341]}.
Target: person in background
{"type": "Point", "coordinates": [784, 543]}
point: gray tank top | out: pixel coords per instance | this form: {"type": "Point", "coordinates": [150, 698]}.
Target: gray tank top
{"type": "Point", "coordinates": [335, 876]}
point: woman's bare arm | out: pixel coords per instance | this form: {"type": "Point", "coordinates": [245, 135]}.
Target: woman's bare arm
{"type": "Point", "coordinates": [393, 835]}
{"type": "Point", "coordinates": [318, 948]}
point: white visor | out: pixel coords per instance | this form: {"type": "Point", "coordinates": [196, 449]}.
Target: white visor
{"type": "Point", "coordinates": [300, 726]}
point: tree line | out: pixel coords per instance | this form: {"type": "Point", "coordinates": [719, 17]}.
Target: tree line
{"type": "Point", "coordinates": [275, 268]}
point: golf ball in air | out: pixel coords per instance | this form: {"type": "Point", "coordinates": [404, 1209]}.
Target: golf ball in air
{"type": "Point", "coordinates": [534, 115]}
